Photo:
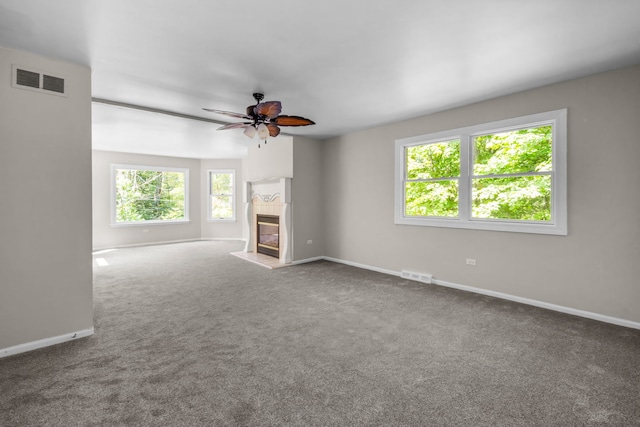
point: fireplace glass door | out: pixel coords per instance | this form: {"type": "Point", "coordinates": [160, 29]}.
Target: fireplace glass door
{"type": "Point", "coordinates": [269, 235]}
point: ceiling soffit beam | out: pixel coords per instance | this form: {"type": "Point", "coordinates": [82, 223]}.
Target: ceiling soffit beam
{"type": "Point", "coordinates": [154, 110]}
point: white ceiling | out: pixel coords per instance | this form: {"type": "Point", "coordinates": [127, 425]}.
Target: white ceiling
{"type": "Point", "coordinates": [346, 64]}
{"type": "Point", "coordinates": [133, 131]}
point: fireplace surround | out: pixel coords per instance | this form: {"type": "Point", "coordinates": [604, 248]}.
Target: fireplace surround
{"type": "Point", "coordinates": [271, 198]}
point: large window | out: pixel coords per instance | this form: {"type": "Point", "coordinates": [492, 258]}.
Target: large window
{"type": "Point", "coordinates": [149, 194]}
{"type": "Point", "coordinates": [222, 195]}
{"type": "Point", "coordinates": [507, 176]}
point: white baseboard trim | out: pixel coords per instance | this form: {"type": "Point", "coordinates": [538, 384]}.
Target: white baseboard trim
{"type": "Point", "coordinates": [366, 267]}
{"type": "Point", "coordinates": [168, 242]}
{"type": "Point", "coordinates": [542, 304]}
{"type": "Point", "coordinates": [509, 297]}
{"type": "Point", "coordinates": [46, 342]}
{"type": "Point", "coordinates": [136, 245]}
{"type": "Point", "coordinates": [304, 261]}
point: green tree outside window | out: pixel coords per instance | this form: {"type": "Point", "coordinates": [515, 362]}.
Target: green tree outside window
{"type": "Point", "coordinates": [512, 175]}
{"type": "Point", "coordinates": [221, 195]}
{"type": "Point", "coordinates": [149, 195]}
{"type": "Point", "coordinates": [432, 171]}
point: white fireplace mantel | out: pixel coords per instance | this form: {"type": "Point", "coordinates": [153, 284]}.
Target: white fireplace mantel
{"type": "Point", "coordinates": [275, 193]}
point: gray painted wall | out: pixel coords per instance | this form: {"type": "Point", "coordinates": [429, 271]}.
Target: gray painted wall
{"type": "Point", "coordinates": [45, 204]}
{"type": "Point", "coordinates": [221, 229]}
{"type": "Point", "coordinates": [274, 160]}
{"type": "Point", "coordinates": [306, 197]}
{"type": "Point", "coordinates": [106, 236]}
{"type": "Point", "coordinates": [595, 268]}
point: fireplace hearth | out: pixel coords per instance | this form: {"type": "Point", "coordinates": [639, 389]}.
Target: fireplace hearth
{"type": "Point", "coordinates": [268, 235]}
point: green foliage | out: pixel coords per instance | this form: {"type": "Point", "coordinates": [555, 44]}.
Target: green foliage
{"type": "Point", "coordinates": [221, 199]}
{"type": "Point", "coordinates": [431, 198]}
{"type": "Point", "coordinates": [437, 197]}
{"type": "Point", "coordinates": [221, 183]}
{"type": "Point", "coordinates": [526, 198]}
{"type": "Point", "coordinates": [428, 192]}
{"type": "Point", "coordinates": [519, 151]}
{"type": "Point", "coordinates": [221, 207]}
{"type": "Point", "coordinates": [438, 160]}
{"type": "Point", "coordinates": [147, 195]}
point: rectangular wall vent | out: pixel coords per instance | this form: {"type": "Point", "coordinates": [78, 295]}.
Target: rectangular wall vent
{"type": "Point", "coordinates": [37, 81]}
{"type": "Point", "coordinates": [54, 84]}
{"type": "Point", "coordinates": [27, 78]}
{"type": "Point", "coordinates": [418, 277]}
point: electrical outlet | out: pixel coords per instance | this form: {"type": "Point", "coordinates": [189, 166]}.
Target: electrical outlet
{"type": "Point", "coordinates": [145, 230]}
{"type": "Point", "coordinates": [471, 261]}
{"type": "Point", "coordinates": [309, 242]}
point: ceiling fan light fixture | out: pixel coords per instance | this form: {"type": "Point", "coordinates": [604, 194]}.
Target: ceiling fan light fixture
{"type": "Point", "coordinates": [263, 118]}
{"type": "Point", "coordinates": [263, 131]}
{"type": "Point", "coordinates": [250, 131]}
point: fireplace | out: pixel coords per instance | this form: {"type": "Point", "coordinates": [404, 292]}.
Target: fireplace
{"type": "Point", "coordinates": [268, 233]}
{"type": "Point", "coordinates": [267, 217]}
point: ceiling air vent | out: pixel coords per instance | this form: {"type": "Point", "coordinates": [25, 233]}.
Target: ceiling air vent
{"type": "Point", "coordinates": [37, 81]}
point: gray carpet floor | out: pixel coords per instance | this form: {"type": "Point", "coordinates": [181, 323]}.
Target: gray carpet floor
{"type": "Point", "coordinates": [188, 335]}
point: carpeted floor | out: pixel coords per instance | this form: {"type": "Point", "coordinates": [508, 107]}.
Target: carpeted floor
{"type": "Point", "coordinates": [188, 335]}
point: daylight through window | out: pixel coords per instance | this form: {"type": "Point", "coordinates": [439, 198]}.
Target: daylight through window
{"type": "Point", "coordinates": [149, 194]}
{"type": "Point", "coordinates": [221, 195]}
{"type": "Point", "coordinates": [507, 176]}
{"type": "Point", "coordinates": [512, 175]}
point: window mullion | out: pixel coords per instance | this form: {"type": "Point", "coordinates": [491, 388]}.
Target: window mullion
{"type": "Point", "coordinates": [464, 185]}
{"type": "Point", "coordinates": [512, 175]}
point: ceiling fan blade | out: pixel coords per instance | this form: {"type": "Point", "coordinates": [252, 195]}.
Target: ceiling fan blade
{"type": "Point", "coordinates": [269, 109]}
{"type": "Point", "coordinates": [274, 130]}
{"type": "Point", "coordinates": [228, 113]}
{"type": "Point", "coordinates": [292, 121]}
{"type": "Point", "coordinates": [234, 126]}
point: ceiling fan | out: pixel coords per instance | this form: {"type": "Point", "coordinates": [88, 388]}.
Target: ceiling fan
{"type": "Point", "coordinates": [262, 118]}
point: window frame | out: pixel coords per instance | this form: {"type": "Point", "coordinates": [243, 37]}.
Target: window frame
{"type": "Point", "coordinates": [558, 223]}
{"type": "Point", "coordinates": [115, 223]}
{"type": "Point", "coordinates": [210, 173]}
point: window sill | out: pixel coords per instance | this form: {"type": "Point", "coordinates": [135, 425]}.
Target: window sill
{"type": "Point", "coordinates": [221, 220]}
{"type": "Point", "coordinates": [475, 224]}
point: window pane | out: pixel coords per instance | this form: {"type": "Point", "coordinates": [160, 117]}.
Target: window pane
{"type": "Point", "coordinates": [526, 198]}
{"type": "Point", "coordinates": [221, 183]}
{"type": "Point", "coordinates": [435, 198]}
{"type": "Point", "coordinates": [518, 151]}
{"type": "Point", "coordinates": [438, 160]}
{"type": "Point", "coordinates": [221, 207]}
{"type": "Point", "coordinates": [148, 195]}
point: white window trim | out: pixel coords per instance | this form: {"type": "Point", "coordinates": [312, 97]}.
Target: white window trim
{"type": "Point", "coordinates": [558, 223]}
{"type": "Point", "coordinates": [233, 195]}
{"type": "Point", "coordinates": [114, 223]}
